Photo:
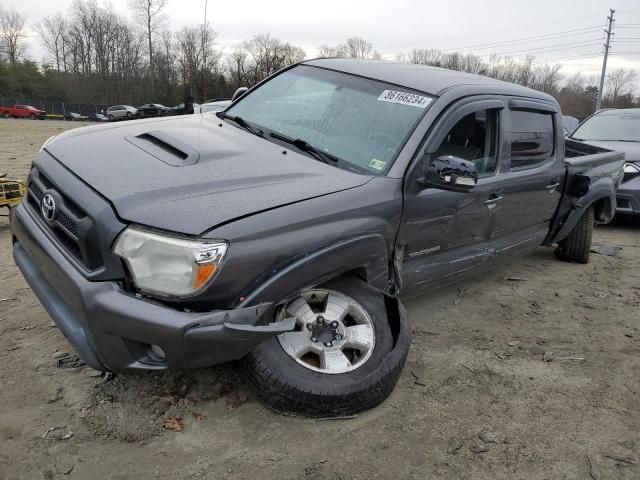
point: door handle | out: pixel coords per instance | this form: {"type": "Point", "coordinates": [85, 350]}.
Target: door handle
{"type": "Point", "coordinates": [493, 200]}
{"type": "Point", "coordinates": [552, 187]}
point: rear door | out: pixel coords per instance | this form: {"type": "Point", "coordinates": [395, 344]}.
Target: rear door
{"type": "Point", "coordinates": [447, 234]}
{"type": "Point", "coordinates": [531, 186]}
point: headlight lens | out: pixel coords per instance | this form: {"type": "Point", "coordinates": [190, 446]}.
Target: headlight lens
{"type": "Point", "coordinates": [631, 167]}
{"type": "Point", "coordinates": [167, 265]}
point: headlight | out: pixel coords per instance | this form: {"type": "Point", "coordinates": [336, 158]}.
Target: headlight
{"type": "Point", "coordinates": [631, 167]}
{"type": "Point", "coordinates": [169, 265]}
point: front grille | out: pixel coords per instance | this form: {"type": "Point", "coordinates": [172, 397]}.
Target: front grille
{"type": "Point", "coordinates": [73, 229]}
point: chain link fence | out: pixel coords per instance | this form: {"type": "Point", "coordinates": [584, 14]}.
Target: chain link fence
{"type": "Point", "coordinates": [59, 108]}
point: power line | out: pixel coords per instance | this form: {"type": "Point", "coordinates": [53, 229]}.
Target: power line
{"type": "Point", "coordinates": [520, 28]}
{"type": "Point", "coordinates": [567, 33]}
{"type": "Point", "coordinates": [565, 59]}
{"type": "Point", "coordinates": [547, 49]}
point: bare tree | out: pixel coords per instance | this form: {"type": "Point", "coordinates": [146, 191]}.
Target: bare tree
{"type": "Point", "coordinates": [354, 47]}
{"type": "Point", "coordinates": [237, 66]}
{"type": "Point", "coordinates": [13, 34]}
{"type": "Point", "coordinates": [618, 81]}
{"type": "Point", "coordinates": [195, 59]}
{"type": "Point", "coordinates": [266, 55]}
{"type": "Point", "coordinates": [357, 47]}
{"type": "Point", "coordinates": [52, 35]}
{"type": "Point", "coordinates": [149, 15]}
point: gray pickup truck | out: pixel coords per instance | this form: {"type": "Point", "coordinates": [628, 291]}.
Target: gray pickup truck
{"type": "Point", "coordinates": [283, 230]}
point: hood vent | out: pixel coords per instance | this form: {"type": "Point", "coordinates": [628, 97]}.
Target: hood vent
{"type": "Point", "coordinates": [165, 148]}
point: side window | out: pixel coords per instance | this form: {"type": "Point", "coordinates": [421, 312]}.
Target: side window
{"type": "Point", "coordinates": [474, 138]}
{"type": "Point", "coordinates": [532, 139]}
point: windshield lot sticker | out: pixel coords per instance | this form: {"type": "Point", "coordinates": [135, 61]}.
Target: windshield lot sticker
{"type": "Point", "coordinates": [404, 98]}
{"type": "Point", "coordinates": [377, 164]}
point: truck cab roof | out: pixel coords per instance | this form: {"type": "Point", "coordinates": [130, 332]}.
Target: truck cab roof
{"type": "Point", "coordinates": [427, 79]}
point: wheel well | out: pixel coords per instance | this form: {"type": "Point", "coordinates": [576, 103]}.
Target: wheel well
{"type": "Point", "coordinates": [391, 303]}
{"type": "Point", "coordinates": [601, 208]}
{"type": "Point", "coordinates": [360, 272]}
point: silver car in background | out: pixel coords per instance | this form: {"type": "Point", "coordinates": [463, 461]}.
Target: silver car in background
{"type": "Point", "coordinates": [212, 106]}
{"type": "Point", "coordinates": [122, 111]}
{"type": "Point", "coordinates": [618, 129]}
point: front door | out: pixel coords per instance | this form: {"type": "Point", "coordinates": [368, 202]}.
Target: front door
{"type": "Point", "coordinates": [446, 234]}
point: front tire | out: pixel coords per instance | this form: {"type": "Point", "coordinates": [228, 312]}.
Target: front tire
{"type": "Point", "coordinates": [577, 245]}
{"type": "Point", "coordinates": [341, 359]}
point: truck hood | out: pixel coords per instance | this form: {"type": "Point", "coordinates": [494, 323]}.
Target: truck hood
{"type": "Point", "coordinates": [193, 173]}
{"type": "Point", "coordinates": [631, 149]}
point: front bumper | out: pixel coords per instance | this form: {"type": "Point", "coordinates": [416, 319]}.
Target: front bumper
{"type": "Point", "coordinates": [112, 329]}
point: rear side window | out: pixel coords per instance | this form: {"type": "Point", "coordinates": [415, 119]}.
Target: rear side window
{"type": "Point", "coordinates": [532, 139]}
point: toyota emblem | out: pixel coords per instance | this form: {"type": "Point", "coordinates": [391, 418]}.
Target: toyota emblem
{"type": "Point", "coordinates": [48, 207]}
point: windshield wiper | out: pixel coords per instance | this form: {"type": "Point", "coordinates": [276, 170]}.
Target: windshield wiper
{"type": "Point", "coordinates": [241, 122]}
{"type": "Point", "coordinates": [300, 144]}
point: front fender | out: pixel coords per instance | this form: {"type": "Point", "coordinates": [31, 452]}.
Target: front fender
{"type": "Point", "coordinates": [367, 253]}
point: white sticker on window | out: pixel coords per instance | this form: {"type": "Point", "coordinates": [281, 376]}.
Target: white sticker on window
{"type": "Point", "coordinates": [377, 164]}
{"type": "Point", "coordinates": [404, 98]}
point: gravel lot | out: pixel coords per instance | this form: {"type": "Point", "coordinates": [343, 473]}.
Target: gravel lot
{"type": "Point", "coordinates": [529, 372]}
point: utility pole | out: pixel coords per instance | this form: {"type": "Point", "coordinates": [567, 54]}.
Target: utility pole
{"type": "Point", "coordinates": [607, 46]}
{"type": "Point", "coordinates": [205, 37]}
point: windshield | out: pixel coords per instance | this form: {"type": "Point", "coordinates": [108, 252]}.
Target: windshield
{"type": "Point", "coordinates": [610, 126]}
{"type": "Point", "coordinates": [362, 122]}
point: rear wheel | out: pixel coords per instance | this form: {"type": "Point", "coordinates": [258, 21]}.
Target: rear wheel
{"type": "Point", "coordinates": [577, 245]}
{"type": "Point", "coordinates": [340, 359]}
{"type": "Point", "coordinates": [6, 115]}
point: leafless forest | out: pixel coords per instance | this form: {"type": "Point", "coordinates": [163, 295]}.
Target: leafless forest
{"type": "Point", "coordinates": [94, 55]}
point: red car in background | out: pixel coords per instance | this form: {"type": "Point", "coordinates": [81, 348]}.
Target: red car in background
{"type": "Point", "coordinates": [22, 111]}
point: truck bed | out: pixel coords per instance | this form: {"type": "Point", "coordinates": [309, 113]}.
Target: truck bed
{"type": "Point", "coordinates": [591, 173]}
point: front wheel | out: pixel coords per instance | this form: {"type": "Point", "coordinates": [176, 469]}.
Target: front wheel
{"type": "Point", "coordinates": [577, 245]}
{"type": "Point", "coordinates": [340, 359]}
{"type": "Point", "coordinates": [32, 117]}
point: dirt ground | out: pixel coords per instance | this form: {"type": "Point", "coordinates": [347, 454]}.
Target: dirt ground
{"type": "Point", "coordinates": [529, 372]}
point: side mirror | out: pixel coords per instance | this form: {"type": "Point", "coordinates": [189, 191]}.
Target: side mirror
{"type": "Point", "coordinates": [451, 173]}
{"type": "Point", "coordinates": [238, 93]}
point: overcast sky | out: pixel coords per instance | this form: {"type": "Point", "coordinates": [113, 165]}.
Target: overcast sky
{"type": "Point", "coordinates": [399, 25]}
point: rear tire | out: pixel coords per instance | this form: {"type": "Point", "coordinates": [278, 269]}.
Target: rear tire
{"type": "Point", "coordinates": [577, 245]}
{"type": "Point", "coordinates": [287, 385]}
{"type": "Point", "coordinates": [6, 115]}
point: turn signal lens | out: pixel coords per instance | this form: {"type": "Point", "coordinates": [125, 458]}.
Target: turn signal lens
{"type": "Point", "coordinates": [203, 275]}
